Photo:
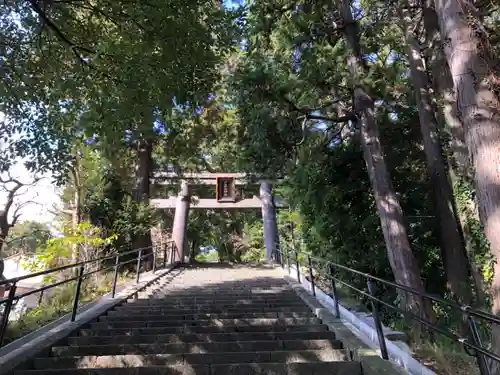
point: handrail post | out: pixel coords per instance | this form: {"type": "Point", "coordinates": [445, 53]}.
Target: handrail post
{"type": "Point", "coordinates": [6, 312]}
{"type": "Point", "coordinates": [40, 298]}
{"type": "Point", "coordinates": [288, 258]}
{"type": "Point", "coordinates": [378, 323]}
{"type": "Point", "coordinates": [172, 252]}
{"type": "Point", "coordinates": [165, 255]}
{"type": "Point", "coordinates": [484, 369]}
{"type": "Point", "coordinates": [335, 295]}
{"type": "Point", "coordinates": [115, 276]}
{"type": "Point", "coordinates": [154, 259]}
{"type": "Point", "coordinates": [78, 288]}
{"type": "Point", "coordinates": [311, 276]}
{"type": "Point", "coordinates": [138, 271]}
{"type": "Point", "coordinates": [297, 264]}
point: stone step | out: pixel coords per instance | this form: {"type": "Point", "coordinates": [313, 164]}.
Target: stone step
{"type": "Point", "coordinates": [137, 360]}
{"type": "Point", "coordinates": [199, 329]}
{"type": "Point", "coordinates": [203, 323]}
{"type": "Point", "coordinates": [220, 321]}
{"type": "Point", "coordinates": [203, 337]}
{"type": "Point", "coordinates": [195, 347]}
{"type": "Point", "coordinates": [201, 316]}
{"type": "Point", "coordinates": [165, 301]}
{"type": "Point", "coordinates": [222, 293]}
{"type": "Point", "coordinates": [296, 368]}
{"type": "Point", "coordinates": [262, 289]}
{"type": "Point", "coordinates": [193, 307]}
{"type": "Point", "coordinates": [178, 287]}
{"type": "Point", "coordinates": [168, 290]}
{"type": "Point", "coordinates": [156, 300]}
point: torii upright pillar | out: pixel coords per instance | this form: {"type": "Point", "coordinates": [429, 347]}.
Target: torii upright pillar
{"type": "Point", "coordinates": [179, 228]}
{"type": "Point", "coordinates": [271, 237]}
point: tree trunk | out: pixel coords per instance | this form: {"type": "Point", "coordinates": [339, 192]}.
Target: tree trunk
{"type": "Point", "coordinates": [459, 162]}
{"type": "Point", "coordinates": [194, 251]}
{"type": "Point", "coordinates": [76, 213]}
{"type": "Point", "coordinates": [468, 55]}
{"type": "Point", "coordinates": [142, 194]}
{"type": "Point", "coordinates": [403, 262]}
{"type": "Point", "coordinates": [455, 259]}
{"type": "Point", "coordinates": [4, 232]}
{"type": "Point", "coordinates": [444, 92]}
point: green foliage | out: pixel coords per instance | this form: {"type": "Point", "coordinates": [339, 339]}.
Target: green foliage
{"type": "Point", "coordinates": [84, 239]}
{"type": "Point", "coordinates": [109, 69]}
{"type": "Point", "coordinates": [87, 95]}
{"type": "Point", "coordinates": [25, 237]}
{"type": "Point", "coordinates": [61, 303]}
{"type": "Point", "coordinates": [211, 257]}
{"type": "Point", "coordinates": [474, 230]}
{"type": "Point", "coordinates": [253, 237]}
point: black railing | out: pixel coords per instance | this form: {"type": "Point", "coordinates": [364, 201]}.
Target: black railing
{"type": "Point", "coordinates": [81, 271]}
{"type": "Point", "coordinates": [472, 344]}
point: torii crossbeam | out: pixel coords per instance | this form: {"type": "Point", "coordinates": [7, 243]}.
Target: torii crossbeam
{"type": "Point", "coordinates": [206, 178]}
{"type": "Point", "coordinates": [226, 198]}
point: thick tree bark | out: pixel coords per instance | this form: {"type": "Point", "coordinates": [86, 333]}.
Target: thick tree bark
{"type": "Point", "coordinates": [401, 257]}
{"type": "Point", "coordinates": [76, 212]}
{"type": "Point", "coordinates": [142, 194]}
{"type": "Point", "coordinates": [455, 259]}
{"type": "Point", "coordinates": [5, 224]}
{"type": "Point", "coordinates": [459, 162]}
{"type": "Point", "coordinates": [444, 93]}
{"type": "Point", "coordinates": [474, 79]}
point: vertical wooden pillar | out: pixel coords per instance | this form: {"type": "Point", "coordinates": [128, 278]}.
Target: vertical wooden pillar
{"type": "Point", "coordinates": [179, 229]}
{"type": "Point", "coordinates": [271, 237]}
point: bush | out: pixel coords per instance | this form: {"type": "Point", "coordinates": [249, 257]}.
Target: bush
{"type": "Point", "coordinates": [212, 256]}
{"type": "Point", "coordinates": [61, 303]}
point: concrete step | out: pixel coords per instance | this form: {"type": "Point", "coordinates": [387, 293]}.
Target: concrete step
{"type": "Point", "coordinates": [208, 310]}
{"type": "Point", "coordinates": [237, 289]}
{"type": "Point", "coordinates": [196, 337]}
{"type": "Point", "coordinates": [198, 329]}
{"type": "Point", "coordinates": [201, 316]}
{"type": "Point", "coordinates": [145, 323]}
{"type": "Point", "coordinates": [194, 308]}
{"type": "Point", "coordinates": [178, 291]}
{"type": "Point", "coordinates": [137, 360]}
{"type": "Point", "coordinates": [152, 299]}
{"type": "Point", "coordinates": [243, 287]}
{"type": "Point", "coordinates": [159, 303]}
{"type": "Point", "coordinates": [209, 321]}
{"type": "Point", "coordinates": [236, 293]}
{"type": "Point", "coordinates": [295, 368]}
{"type": "Point", "coordinates": [195, 347]}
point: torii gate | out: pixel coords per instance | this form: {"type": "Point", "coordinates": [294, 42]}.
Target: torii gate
{"type": "Point", "coordinates": [226, 198]}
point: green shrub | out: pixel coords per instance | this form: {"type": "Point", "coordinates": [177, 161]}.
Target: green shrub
{"type": "Point", "coordinates": [60, 303]}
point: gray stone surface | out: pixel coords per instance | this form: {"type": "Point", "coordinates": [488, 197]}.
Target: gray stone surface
{"type": "Point", "coordinates": [18, 353]}
{"type": "Point", "coordinates": [207, 320]}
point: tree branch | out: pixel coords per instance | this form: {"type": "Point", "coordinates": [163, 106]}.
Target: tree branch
{"type": "Point", "coordinates": [342, 119]}
{"type": "Point", "coordinates": [17, 212]}
{"type": "Point", "coordinates": [63, 38]}
{"type": "Point", "coordinates": [307, 112]}
{"type": "Point", "coordinates": [51, 25]}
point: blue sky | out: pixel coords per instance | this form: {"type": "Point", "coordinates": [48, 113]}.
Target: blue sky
{"type": "Point", "coordinates": [232, 3]}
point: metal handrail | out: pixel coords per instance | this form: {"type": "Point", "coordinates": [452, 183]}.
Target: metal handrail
{"type": "Point", "coordinates": [285, 257]}
{"type": "Point", "coordinates": [81, 274]}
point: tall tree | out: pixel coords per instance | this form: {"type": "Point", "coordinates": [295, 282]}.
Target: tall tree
{"type": "Point", "coordinates": [401, 257]}
{"type": "Point", "coordinates": [454, 254]}
{"type": "Point", "coordinates": [475, 78]}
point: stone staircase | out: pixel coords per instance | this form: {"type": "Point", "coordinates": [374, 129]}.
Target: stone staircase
{"type": "Point", "coordinates": [210, 320]}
